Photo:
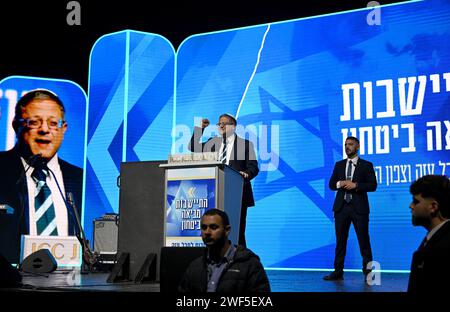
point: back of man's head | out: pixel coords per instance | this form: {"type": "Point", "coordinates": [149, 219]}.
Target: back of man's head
{"type": "Point", "coordinates": [436, 187]}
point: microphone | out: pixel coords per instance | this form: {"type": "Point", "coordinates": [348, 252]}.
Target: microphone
{"type": "Point", "coordinates": [89, 257]}
{"type": "Point", "coordinates": [40, 162]}
{"type": "Point", "coordinates": [31, 162]}
{"type": "Point", "coordinates": [33, 158]}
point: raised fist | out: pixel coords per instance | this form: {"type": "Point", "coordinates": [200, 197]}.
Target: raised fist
{"type": "Point", "coordinates": [205, 123]}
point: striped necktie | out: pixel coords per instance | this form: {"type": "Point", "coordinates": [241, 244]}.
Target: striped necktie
{"type": "Point", "coordinates": [223, 156]}
{"type": "Point", "coordinates": [348, 196]}
{"type": "Point", "coordinates": [43, 204]}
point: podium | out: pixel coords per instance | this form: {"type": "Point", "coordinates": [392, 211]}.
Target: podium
{"type": "Point", "coordinates": [161, 205]}
{"type": "Point", "coordinates": [191, 189]}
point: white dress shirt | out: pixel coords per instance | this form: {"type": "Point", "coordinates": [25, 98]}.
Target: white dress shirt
{"type": "Point", "coordinates": [230, 143]}
{"type": "Point", "coordinates": [354, 161]}
{"type": "Point", "coordinates": [58, 201]}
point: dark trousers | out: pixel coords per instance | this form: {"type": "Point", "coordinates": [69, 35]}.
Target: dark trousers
{"type": "Point", "coordinates": [342, 221]}
{"type": "Point", "coordinates": [242, 225]}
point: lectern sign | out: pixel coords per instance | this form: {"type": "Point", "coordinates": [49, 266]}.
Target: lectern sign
{"type": "Point", "coordinates": [190, 192]}
{"type": "Point", "coordinates": [65, 249]}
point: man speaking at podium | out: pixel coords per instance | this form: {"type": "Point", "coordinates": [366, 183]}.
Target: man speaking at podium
{"type": "Point", "coordinates": [28, 173]}
{"type": "Point", "coordinates": [236, 152]}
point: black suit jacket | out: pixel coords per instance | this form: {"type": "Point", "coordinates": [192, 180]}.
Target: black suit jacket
{"type": "Point", "coordinates": [12, 226]}
{"type": "Point", "coordinates": [364, 176]}
{"type": "Point", "coordinates": [243, 158]}
{"type": "Point", "coordinates": [430, 270]}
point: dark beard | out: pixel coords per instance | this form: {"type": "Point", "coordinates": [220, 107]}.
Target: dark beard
{"type": "Point", "coordinates": [215, 249]}
{"type": "Point", "coordinates": [421, 221]}
{"type": "Point", "coordinates": [217, 244]}
{"type": "Point", "coordinates": [220, 242]}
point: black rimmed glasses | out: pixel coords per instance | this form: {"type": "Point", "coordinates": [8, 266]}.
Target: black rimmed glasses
{"type": "Point", "coordinates": [220, 124]}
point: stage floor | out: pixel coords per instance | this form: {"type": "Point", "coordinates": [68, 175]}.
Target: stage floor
{"type": "Point", "coordinates": [312, 281]}
{"type": "Point", "coordinates": [281, 281]}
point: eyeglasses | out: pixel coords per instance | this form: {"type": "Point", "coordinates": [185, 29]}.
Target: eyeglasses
{"type": "Point", "coordinates": [36, 123]}
{"type": "Point", "coordinates": [220, 124]}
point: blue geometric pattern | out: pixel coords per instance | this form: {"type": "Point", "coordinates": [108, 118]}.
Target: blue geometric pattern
{"type": "Point", "coordinates": [131, 102]}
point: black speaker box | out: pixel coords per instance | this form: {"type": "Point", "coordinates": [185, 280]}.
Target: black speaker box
{"type": "Point", "coordinates": [174, 262]}
{"type": "Point", "coordinates": [141, 225]}
{"type": "Point", "coordinates": [9, 275]}
{"type": "Point", "coordinates": [41, 261]}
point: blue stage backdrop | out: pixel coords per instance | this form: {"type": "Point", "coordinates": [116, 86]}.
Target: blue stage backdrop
{"type": "Point", "coordinates": [297, 88]}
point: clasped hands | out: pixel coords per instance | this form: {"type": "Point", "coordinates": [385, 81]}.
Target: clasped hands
{"type": "Point", "coordinates": [347, 184]}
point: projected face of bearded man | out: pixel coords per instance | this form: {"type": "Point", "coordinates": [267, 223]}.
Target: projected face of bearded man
{"type": "Point", "coordinates": [40, 124]}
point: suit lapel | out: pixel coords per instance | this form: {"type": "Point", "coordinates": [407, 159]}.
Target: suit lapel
{"type": "Point", "coordinates": [68, 189]}
{"type": "Point", "coordinates": [233, 155]}
{"type": "Point", "coordinates": [438, 235]}
{"type": "Point", "coordinates": [22, 191]}
{"type": "Point", "coordinates": [343, 164]}
{"type": "Point", "coordinates": [357, 170]}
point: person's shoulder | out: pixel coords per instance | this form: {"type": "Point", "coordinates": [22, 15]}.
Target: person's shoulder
{"type": "Point", "coordinates": [446, 229]}
{"type": "Point", "coordinates": [342, 161]}
{"type": "Point", "coordinates": [214, 139]}
{"type": "Point", "coordinates": [196, 264]}
{"type": "Point", "coordinates": [243, 139]}
{"type": "Point", "coordinates": [9, 153]}
{"type": "Point", "coordinates": [243, 253]}
{"type": "Point", "coordinates": [441, 242]}
{"type": "Point", "coordinates": [247, 142]}
{"type": "Point", "coordinates": [198, 260]}
{"type": "Point", "coordinates": [365, 162]}
{"type": "Point", "coordinates": [7, 157]}
{"type": "Point", "coordinates": [69, 168]}
{"type": "Point", "coordinates": [3, 156]}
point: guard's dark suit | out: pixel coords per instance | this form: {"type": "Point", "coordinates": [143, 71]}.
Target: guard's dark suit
{"type": "Point", "coordinates": [356, 212]}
